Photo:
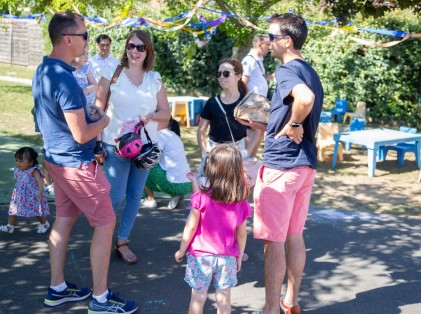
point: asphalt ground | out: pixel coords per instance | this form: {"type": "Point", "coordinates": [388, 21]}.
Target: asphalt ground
{"type": "Point", "coordinates": [356, 263]}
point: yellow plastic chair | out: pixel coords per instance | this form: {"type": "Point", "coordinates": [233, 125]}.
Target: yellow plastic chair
{"type": "Point", "coordinates": [181, 109]}
{"type": "Point", "coordinates": [325, 140]}
{"type": "Point", "coordinates": [360, 112]}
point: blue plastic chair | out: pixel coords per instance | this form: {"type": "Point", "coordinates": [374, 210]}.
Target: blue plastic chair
{"type": "Point", "coordinates": [400, 148]}
{"type": "Point", "coordinates": [357, 124]}
{"type": "Point", "coordinates": [325, 117]}
{"type": "Point", "coordinates": [341, 107]}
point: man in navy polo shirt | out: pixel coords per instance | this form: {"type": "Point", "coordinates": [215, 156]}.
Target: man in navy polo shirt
{"type": "Point", "coordinates": [283, 188]}
{"type": "Point", "coordinates": [69, 134]}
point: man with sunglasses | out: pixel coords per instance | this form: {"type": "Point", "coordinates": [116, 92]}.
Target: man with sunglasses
{"type": "Point", "coordinates": [103, 60]}
{"type": "Point", "coordinates": [254, 76]}
{"type": "Point", "coordinates": [283, 188]}
{"type": "Point", "coordinates": [80, 185]}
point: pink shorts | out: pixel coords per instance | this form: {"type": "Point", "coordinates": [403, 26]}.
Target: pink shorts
{"type": "Point", "coordinates": [82, 190]}
{"type": "Point", "coordinates": [281, 201]}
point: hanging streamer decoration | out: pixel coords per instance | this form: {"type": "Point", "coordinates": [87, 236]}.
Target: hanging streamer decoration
{"type": "Point", "coordinates": [182, 21]}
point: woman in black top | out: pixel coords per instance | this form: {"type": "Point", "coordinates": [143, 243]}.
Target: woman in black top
{"type": "Point", "coordinates": [233, 91]}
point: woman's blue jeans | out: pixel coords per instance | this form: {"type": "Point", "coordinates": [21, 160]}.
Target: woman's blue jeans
{"type": "Point", "coordinates": [126, 181]}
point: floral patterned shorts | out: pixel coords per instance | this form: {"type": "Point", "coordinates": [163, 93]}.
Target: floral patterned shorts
{"type": "Point", "coordinates": [202, 270]}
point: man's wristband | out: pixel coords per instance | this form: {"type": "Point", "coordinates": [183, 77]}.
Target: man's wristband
{"type": "Point", "coordinates": [98, 148]}
{"type": "Point", "coordinates": [294, 124]}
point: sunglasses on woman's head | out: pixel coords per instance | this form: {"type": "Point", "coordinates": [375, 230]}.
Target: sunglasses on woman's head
{"type": "Point", "coordinates": [140, 48]}
{"type": "Point", "coordinates": [224, 73]}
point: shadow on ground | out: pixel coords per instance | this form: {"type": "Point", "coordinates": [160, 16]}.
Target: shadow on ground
{"type": "Point", "coordinates": [354, 261]}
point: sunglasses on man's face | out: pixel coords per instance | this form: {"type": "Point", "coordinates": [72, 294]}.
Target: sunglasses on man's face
{"type": "Point", "coordinates": [223, 73]}
{"type": "Point", "coordinates": [272, 37]}
{"type": "Point", "coordinates": [140, 48]}
{"type": "Point", "coordinates": [84, 35]}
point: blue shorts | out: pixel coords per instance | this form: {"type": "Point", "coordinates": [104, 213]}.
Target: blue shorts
{"type": "Point", "coordinates": [202, 270]}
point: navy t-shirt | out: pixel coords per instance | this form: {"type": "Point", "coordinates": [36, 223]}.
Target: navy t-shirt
{"type": "Point", "coordinates": [219, 131]}
{"type": "Point", "coordinates": [283, 153]}
{"type": "Point", "coordinates": [55, 91]}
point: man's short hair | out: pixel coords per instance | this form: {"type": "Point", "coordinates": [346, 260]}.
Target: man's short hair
{"type": "Point", "coordinates": [62, 22]}
{"type": "Point", "coordinates": [102, 37]}
{"type": "Point", "coordinates": [293, 25]}
{"type": "Point", "coordinates": [258, 39]}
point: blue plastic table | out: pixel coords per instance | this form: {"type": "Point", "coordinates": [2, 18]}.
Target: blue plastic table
{"type": "Point", "coordinates": [373, 139]}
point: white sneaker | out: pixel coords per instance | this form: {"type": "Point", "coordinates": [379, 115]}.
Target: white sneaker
{"type": "Point", "coordinates": [43, 228]}
{"type": "Point", "coordinates": [174, 202]}
{"type": "Point", "coordinates": [49, 191]}
{"type": "Point", "coordinates": [7, 228]}
{"type": "Point", "coordinates": [148, 204]}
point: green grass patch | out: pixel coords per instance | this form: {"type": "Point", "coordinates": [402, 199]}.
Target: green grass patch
{"type": "Point", "coordinates": [16, 71]}
{"type": "Point", "coordinates": [393, 190]}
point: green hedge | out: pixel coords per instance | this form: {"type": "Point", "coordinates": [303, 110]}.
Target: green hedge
{"type": "Point", "coordinates": [387, 79]}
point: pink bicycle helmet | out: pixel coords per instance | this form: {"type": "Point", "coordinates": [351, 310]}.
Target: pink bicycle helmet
{"type": "Point", "coordinates": [149, 155]}
{"type": "Point", "coordinates": [129, 145]}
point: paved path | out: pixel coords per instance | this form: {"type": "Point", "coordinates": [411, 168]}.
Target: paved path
{"type": "Point", "coordinates": [16, 80]}
{"type": "Point", "coordinates": [356, 262]}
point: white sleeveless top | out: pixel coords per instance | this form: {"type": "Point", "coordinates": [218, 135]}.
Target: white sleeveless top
{"type": "Point", "coordinates": [128, 101]}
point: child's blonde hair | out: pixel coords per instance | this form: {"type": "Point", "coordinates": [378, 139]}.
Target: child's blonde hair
{"type": "Point", "coordinates": [224, 172]}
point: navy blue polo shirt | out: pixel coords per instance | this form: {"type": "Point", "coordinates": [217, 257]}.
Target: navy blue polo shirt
{"type": "Point", "coordinates": [55, 91]}
{"type": "Point", "coordinates": [283, 153]}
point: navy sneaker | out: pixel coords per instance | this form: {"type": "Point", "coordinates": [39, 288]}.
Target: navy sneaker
{"type": "Point", "coordinates": [70, 294]}
{"type": "Point", "coordinates": [113, 305]}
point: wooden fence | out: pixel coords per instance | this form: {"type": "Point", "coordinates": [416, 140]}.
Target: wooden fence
{"type": "Point", "coordinates": [21, 42]}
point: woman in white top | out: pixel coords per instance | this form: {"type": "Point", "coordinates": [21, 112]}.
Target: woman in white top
{"type": "Point", "coordinates": [138, 93]}
{"type": "Point", "coordinates": [169, 176]}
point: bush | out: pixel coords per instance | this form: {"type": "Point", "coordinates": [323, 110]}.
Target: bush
{"type": "Point", "coordinates": [387, 79]}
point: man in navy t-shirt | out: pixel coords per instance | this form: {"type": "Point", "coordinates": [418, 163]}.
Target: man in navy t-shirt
{"type": "Point", "coordinates": [80, 186]}
{"type": "Point", "coordinates": [284, 183]}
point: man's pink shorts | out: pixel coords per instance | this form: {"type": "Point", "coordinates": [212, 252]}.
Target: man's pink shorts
{"type": "Point", "coordinates": [281, 201]}
{"type": "Point", "coordinates": [84, 189]}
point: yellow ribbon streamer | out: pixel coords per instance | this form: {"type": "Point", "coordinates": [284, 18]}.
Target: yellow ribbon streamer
{"type": "Point", "coordinates": [381, 45]}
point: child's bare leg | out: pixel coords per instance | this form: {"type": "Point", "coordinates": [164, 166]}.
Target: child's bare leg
{"type": "Point", "coordinates": [42, 219]}
{"type": "Point", "coordinates": [11, 220]}
{"type": "Point", "coordinates": [223, 300]}
{"type": "Point", "coordinates": [197, 301]}
{"type": "Point", "coordinates": [149, 193]}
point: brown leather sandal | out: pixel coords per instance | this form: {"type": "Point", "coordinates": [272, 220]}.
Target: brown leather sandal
{"type": "Point", "coordinates": [130, 258]}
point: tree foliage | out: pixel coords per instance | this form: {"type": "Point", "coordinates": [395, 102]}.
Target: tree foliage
{"type": "Point", "coordinates": [387, 79]}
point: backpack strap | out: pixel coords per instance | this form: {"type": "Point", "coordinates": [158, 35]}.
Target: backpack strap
{"type": "Point", "coordinates": [116, 74]}
{"type": "Point", "coordinates": [258, 63]}
{"type": "Point", "coordinates": [226, 118]}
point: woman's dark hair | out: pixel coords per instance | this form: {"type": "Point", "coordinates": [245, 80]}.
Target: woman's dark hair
{"type": "Point", "coordinates": [150, 53]}
{"type": "Point", "coordinates": [224, 172]}
{"type": "Point", "coordinates": [174, 126]}
{"type": "Point", "coordinates": [28, 153]}
{"type": "Point", "coordinates": [238, 69]}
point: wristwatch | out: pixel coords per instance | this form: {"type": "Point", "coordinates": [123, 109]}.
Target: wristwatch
{"type": "Point", "coordinates": [294, 124]}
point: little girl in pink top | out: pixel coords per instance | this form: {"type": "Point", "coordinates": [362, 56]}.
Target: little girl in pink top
{"type": "Point", "coordinates": [215, 233]}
